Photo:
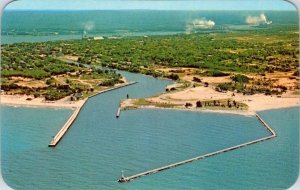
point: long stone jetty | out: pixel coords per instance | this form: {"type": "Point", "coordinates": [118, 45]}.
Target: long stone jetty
{"type": "Point", "coordinates": [65, 128]}
{"type": "Point", "coordinates": [114, 88]}
{"type": "Point", "coordinates": [56, 139]}
{"type": "Point", "coordinates": [273, 134]}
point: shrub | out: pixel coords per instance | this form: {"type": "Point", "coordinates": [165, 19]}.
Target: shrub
{"type": "Point", "coordinates": [296, 73]}
{"type": "Point", "coordinates": [198, 104]}
{"type": "Point", "coordinates": [217, 73]}
{"type": "Point", "coordinates": [54, 94]}
{"type": "Point", "coordinates": [109, 82]}
{"type": "Point", "coordinates": [226, 86]}
{"type": "Point", "coordinates": [196, 79]}
{"type": "Point", "coordinates": [173, 76]}
{"type": "Point", "coordinates": [240, 78]}
{"type": "Point", "coordinates": [188, 105]}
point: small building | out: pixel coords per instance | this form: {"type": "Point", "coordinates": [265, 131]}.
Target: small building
{"type": "Point", "coordinates": [98, 38]}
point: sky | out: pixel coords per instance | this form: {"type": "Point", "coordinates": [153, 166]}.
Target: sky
{"type": "Point", "coordinates": [150, 4]}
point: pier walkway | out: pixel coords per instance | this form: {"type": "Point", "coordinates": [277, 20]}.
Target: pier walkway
{"type": "Point", "coordinates": [273, 134]}
{"type": "Point", "coordinates": [65, 128]}
{"type": "Point", "coordinates": [114, 88]}
{"type": "Point", "coordinates": [68, 124]}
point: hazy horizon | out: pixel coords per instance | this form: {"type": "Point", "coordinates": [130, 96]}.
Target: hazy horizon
{"type": "Point", "coordinates": [261, 5]}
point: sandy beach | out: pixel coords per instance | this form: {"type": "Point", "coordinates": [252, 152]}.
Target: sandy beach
{"type": "Point", "coordinates": [257, 102]}
{"type": "Point", "coordinates": [22, 100]}
{"type": "Point", "coordinates": [30, 101]}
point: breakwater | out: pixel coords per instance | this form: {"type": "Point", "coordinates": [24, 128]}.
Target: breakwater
{"type": "Point", "coordinates": [273, 134]}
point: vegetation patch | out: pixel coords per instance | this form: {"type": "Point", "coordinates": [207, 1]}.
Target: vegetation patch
{"type": "Point", "coordinates": [214, 73]}
{"type": "Point", "coordinates": [219, 54]}
{"type": "Point", "coordinates": [143, 102]}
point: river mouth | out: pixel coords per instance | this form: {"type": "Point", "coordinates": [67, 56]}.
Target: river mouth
{"type": "Point", "coordinates": [100, 145]}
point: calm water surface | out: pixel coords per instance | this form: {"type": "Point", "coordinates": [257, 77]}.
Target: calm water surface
{"type": "Point", "coordinates": [35, 26]}
{"type": "Point", "coordinates": [98, 146]}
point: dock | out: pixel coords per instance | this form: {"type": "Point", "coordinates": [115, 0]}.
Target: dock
{"type": "Point", "coordinates": [57, 138]}
{"type": "Point", "coordinates": [127, 179]}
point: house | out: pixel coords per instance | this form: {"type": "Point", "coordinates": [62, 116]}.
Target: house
{"type": "Point", "coordinates": [76, 96]}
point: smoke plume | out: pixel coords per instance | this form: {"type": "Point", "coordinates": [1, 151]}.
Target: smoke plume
{"type": "Point", "coordinates": [199, 24]}
{"type": "Point", "coordinates": [88, 26]}
{"type": "Point", "coordinates": [257, 20]}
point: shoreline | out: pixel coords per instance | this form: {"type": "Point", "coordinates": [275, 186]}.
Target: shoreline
{"type": "Point", "coordinates": [255, 103]}
{"type": "Point", "coordinates": [178, 99]}
{"type": "Point", "coordinates": [20, 101]}
{"type": "Point", "coordinates": [220, 111]}
{"type": "Point", "coordinates": [235, 112]}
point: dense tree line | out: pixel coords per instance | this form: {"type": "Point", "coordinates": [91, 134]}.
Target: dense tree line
{"type": "Point", "coordinates": [220, 54]}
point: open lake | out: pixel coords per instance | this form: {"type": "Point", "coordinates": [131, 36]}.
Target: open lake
{"type": "Point", "coordinates": [36, 26]}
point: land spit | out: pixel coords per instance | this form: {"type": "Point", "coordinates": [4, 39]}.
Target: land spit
{"type": "Point", "coordinates": [273, 134]}
{"type": "Point", "coordinates": [56, 139]}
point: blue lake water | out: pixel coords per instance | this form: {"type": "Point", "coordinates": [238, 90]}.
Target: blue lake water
{"type": "Point", "coordinates": [98, 146]}
{"type": "Point", "coordinates": [34, 26]}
